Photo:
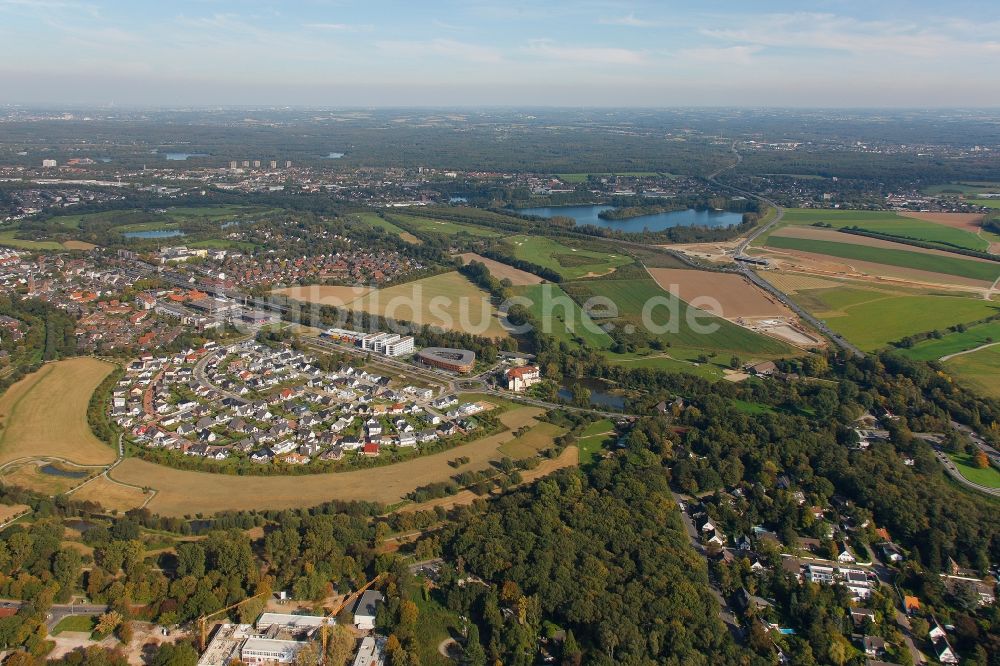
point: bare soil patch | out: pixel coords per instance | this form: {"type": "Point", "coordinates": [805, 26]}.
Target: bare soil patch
{"type": "Point", "coordinates": [181, 492]}
{"type": "Point", "coordinates": [737, 296]}
{"type": "Point", "coordinates": [501, 270]}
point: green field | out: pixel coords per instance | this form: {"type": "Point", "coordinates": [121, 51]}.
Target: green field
{"type": "Point", "coordinates": [677, 360]}
{"type": "Point", "coordinates": [570, 262]}
{"type": "Point", "coordinates": [967, 268]}
{"type": "Point", "coordinates": [966, 189]}
{"type": "Point", "coordinates": [871, 319]}
{"type": "Point", "coordinates": [631, 296]}
{"type": "Point", "coordinates": [986, 203]}
{"type": "Point", "coordinates": [564, 315]}
{"type": "Point", "coordinates": [532, 442]}
{"type": "Point", "coordinates": [376, 221]}
{"type": "Point", "coordinates": [582, 177]}
{"type": "Point", "coordinates": [446, 227]}
{"type": "Point", "coordinates": [891, 224]}
{"type": "Point", "coordinates": [7, 238]}
{"type": "Point", "coordinates": [592, 440]}
{"type": "Point", "coordinates": [80, 623]}
{"type": "Point", "coordinates": [980, 370]}
{"type": "Point", "coordinates": [170, 215]}
{"type": "Point", "coordinates": [988, 477]}
{"type": "Point", "coordinates": [951, 343]}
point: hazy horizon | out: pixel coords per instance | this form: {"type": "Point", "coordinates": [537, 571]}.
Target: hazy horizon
{"type": "Point", "coordinates": [327, 53]}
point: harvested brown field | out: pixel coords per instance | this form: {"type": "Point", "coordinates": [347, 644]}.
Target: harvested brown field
{"type": "Point", "coordinates": [112, 496]}
{"type": "Point", "coordinates": [736, 296]}
{"type": "Point", "coordinates": [78, 245]}
{"type": "Point", "coordinates": [45, 414]}
{"type": "Point", "coordinates": [501, 270]}
{"type": "Point", "coordinates": [966, 221]}
{"type": "Point", "coordinates": [324, 294]}
{"type": "Point", "coordinates": [181, 492]}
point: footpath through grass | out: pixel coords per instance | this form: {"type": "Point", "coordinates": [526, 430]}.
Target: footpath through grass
{"type": "Point", "coordinates": [594, 439]}
{"type": "Point", "coordinates": [952, 343]}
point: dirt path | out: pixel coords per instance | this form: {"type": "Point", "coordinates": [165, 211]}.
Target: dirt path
{"type": "Point", "coordinates": [948, 357]}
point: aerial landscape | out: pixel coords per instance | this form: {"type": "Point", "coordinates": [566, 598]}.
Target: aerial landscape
{"type": "Point", "coordinates": [499, 334]}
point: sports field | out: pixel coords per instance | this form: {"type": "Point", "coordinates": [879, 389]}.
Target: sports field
{"type": "Point", "coordinates": [953, 343]}
{"type": "Point", "coordinates": [45, 414]}
{"type": "Point", "coordinates": [892, 224]}
{"type": "Point", "coordinates": [979, 370]}
{"type": "Point", "coordinates": [182, 492]}
{"type": "Point", "coordinates": [571, 263]}
{"type": "Point", "coordinates": [561, 317]}
{"type": "Point", "coordinates": [678, 323]}
{"type": "Point", "coordinates": [859, 249]}
{"type": "Point", "coordinates": [872, 318]}
{"type": "Point", "coordinates": [376, 221]}
{"type": "Point", "coordinates": [448, 301]}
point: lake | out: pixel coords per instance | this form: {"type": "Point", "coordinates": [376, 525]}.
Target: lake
{"type": "Point", "coordinates": [600, 394]}
{"type": "Point", "coordinates": [658, 222]}
{"type": "Point", "coordinates": [180, 157]}
{"type": "Point", "coordinates": [53, 470]}
{"type": "Point", "coordinates": [154, 233]}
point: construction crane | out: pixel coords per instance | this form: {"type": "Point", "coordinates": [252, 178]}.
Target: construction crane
{"type": "Point", "coordinates": [348, 600]}
{"type": "Point", "coordinates": [203, 624]}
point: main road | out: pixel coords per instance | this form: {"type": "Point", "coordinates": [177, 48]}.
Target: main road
{"type": "Point", "coordinates": [759, 280]}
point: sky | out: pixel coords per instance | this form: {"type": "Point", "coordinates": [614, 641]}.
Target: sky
{"type": "Point", "coordinates": [346, 53]}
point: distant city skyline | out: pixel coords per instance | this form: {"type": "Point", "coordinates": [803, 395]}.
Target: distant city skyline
{"type": "Point", "coordinates": [833, 53]}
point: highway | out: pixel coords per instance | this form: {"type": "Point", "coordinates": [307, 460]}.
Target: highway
{"type": "Point", "coordinates": [759, 280]}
